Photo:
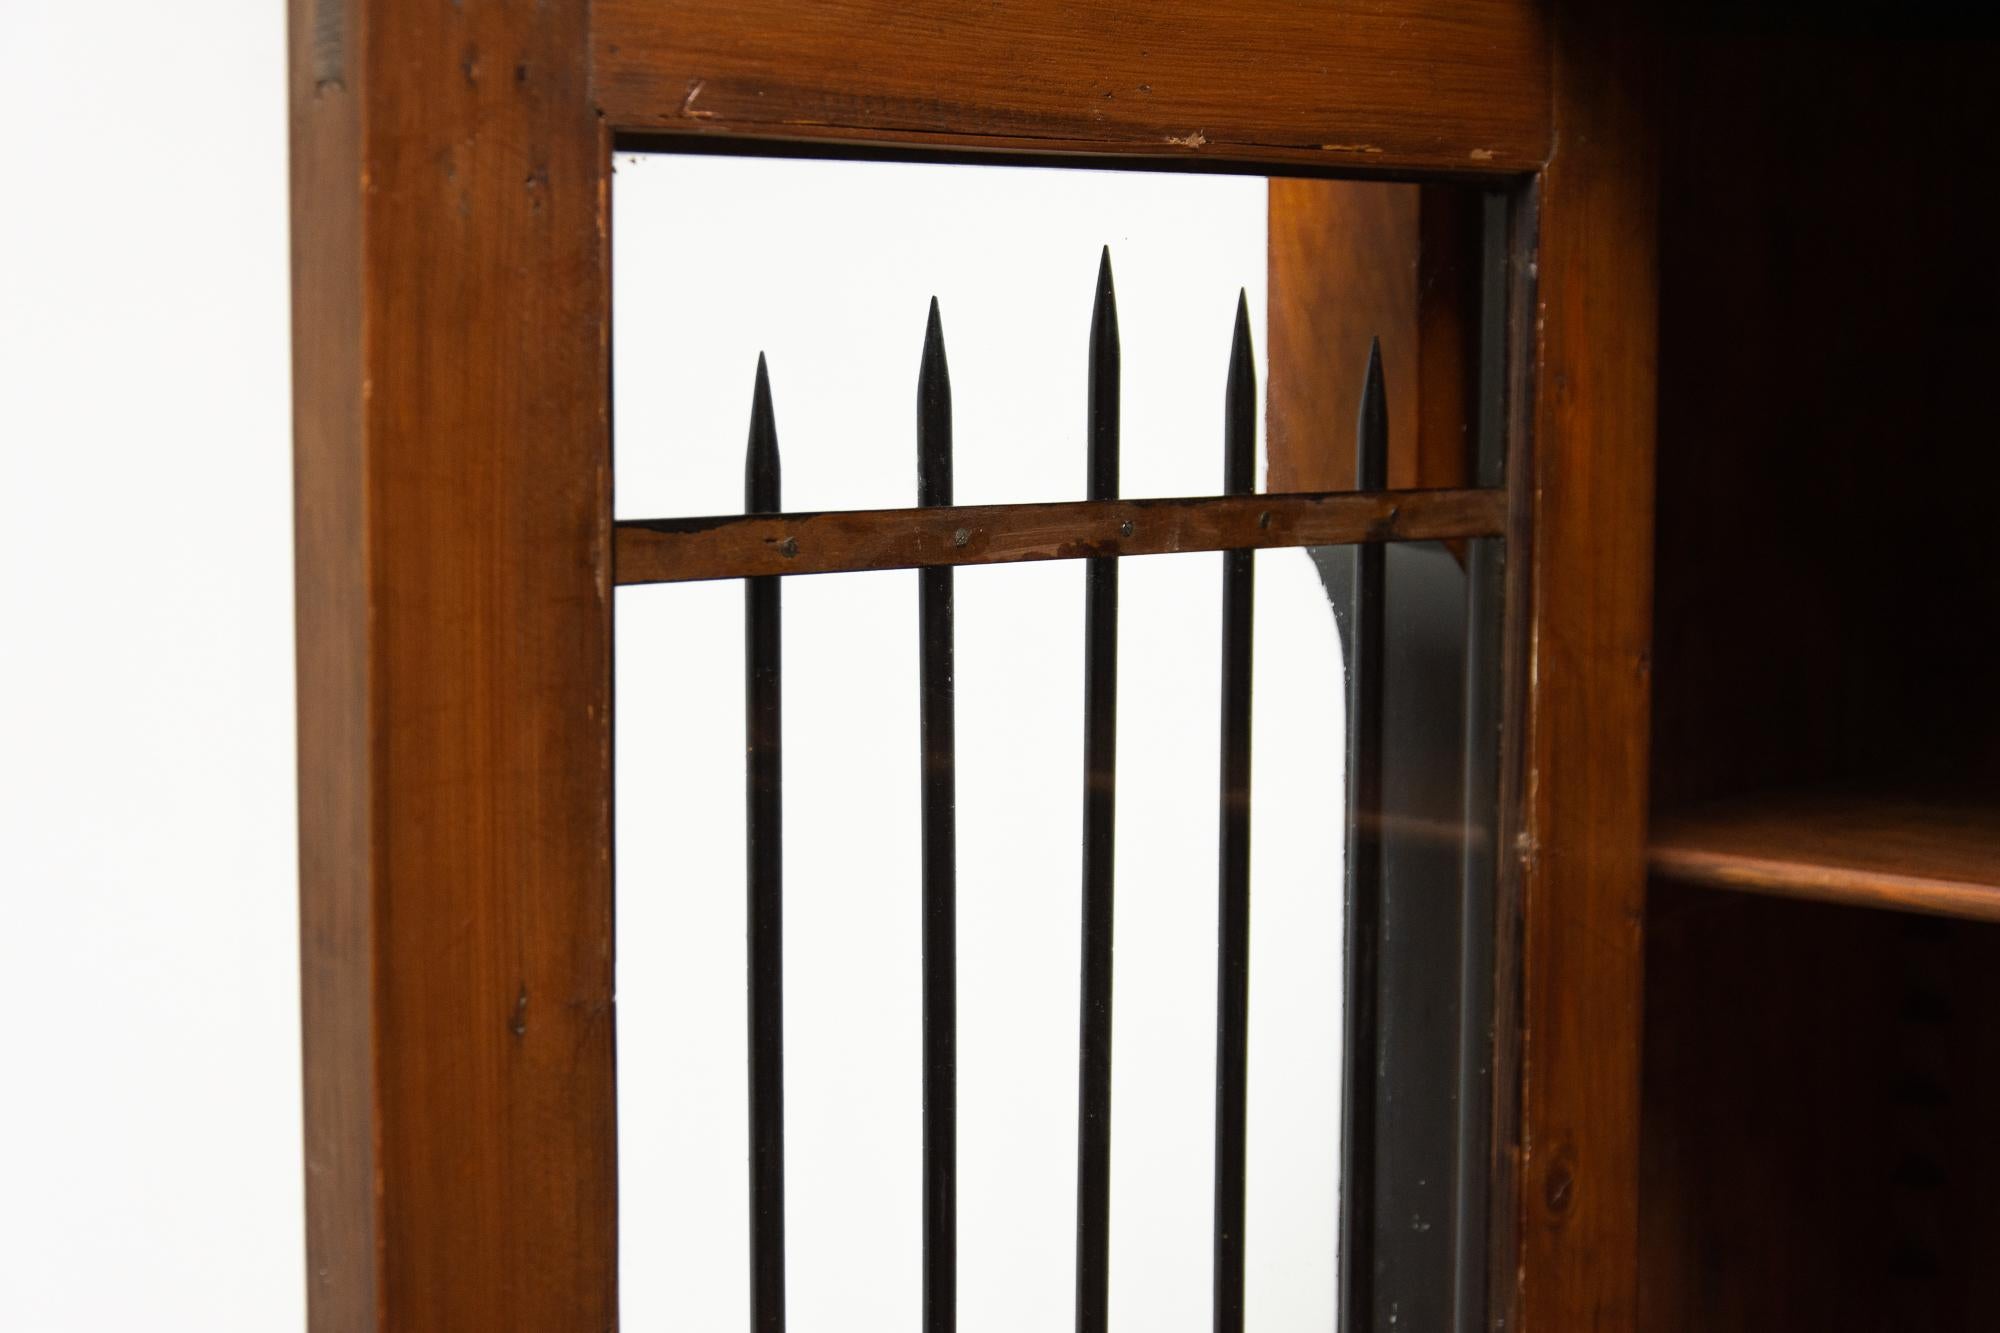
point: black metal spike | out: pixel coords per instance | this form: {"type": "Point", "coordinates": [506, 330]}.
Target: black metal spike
{"type": "Point", "coordinates": [1100, 755]}
{"type": "Point", "coordinates": [1371, 428]}
{"type": "Point", "coordinates": [1233, 870]}
{"type": "Point", "coordinates": [1104, 385]}
{"type": "Point", "coordinates": [764, 827]}
{"type": "Point", "coordinates": [1239, 470]}
{"type": "Point", "coordinates": [1360, 1096]}
{"type": "Point", "coordinates": [760, 459]}
{"type": "Point", "coordinates": [940, 853]}
{"type": "Point", "coordinates": [934, 417]}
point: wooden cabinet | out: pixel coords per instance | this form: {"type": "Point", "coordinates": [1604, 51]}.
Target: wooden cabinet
{"type": "Point", "coordinates": [1758, 239]}
{"type": "Point", "coordinates": [1819, 1098]}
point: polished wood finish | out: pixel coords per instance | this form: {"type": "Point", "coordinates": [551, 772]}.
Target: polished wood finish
{"type": "Point", "coordinates": [452, 464]}
{"type": "Point", "coordinates": [1342, 273]}
{"type": "Point", "coordinates": [1455, 85]}
{"type": "Point", "coordinates": [682, 550]}
{"type": "Point", "coordinates": [1821, 1085]}
{"type": "Point", "coordinates": [1581, 846]}
{"type": "Point", "coordinates": [1449, 253]}
{"type": "Point", "coordinates": [1939, 856]}
{"type": "Point", "coordinates": [1353, 263]}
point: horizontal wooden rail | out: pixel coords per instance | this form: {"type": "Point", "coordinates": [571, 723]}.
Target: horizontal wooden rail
{"type": "Point", "coordinates": [1375, 85]}
{"type": "Point", "coordinates": [1937, 853]}
{"type": "Point", "coordinates": [682, 550]}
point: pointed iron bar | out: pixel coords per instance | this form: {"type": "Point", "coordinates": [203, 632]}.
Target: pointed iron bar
{"type": "Point", "coordinates": [1233, 892]}
{"type": "Point", "coordinates": [1364, 876]}
{"type": "Point", "coordinates": [1100, 755]}
{"type": "Point", "coordinates": [764, 825]}
{"type": "Point", "coordinates": [940, 854]}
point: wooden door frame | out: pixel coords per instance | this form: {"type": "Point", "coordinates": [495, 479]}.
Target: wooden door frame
{"type": "Point", "coordinates": [451, 316]}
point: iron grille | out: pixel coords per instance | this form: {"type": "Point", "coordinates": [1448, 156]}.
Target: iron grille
{"type": "Point", "coordinates": [764, 544]}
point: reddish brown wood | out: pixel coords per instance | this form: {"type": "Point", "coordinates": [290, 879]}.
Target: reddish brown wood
{"type": "Point", "coordinates": [1343, 272]}
{"type": "Point", "coordinates": [1821, 1085]}
{"type": "Point", "coordinates": [1582, 845]}
{"type": "Point", "coordinates": [337, 835]}
{"type": "Point", "coordinates": [1458, 85]}
{"type": "Point", "coordinates": [1447, 334]}
{"type": "Point", "coordinates": [1356, 261]}
{"type": "Point", "coordinates": [1938, 856]}
{"type": "Point", "coordinates": [454, 689]}
{"type": "Point", "coordinates": [750, 545]}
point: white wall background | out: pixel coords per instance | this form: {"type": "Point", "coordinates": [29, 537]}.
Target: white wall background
{"type": "Point", "coordinates": [149, 1104]}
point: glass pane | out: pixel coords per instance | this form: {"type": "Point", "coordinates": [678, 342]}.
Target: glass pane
{"type": "Point", "coordinates": [1427, 1059]}
{"type": "Point", "coordinates": [853, 980]}
{"type": "Point", "coordinates": [829, 268]}
{"type": "Point", "coordinates": [853, 990]}
{"type": "Point", "coordinates": [1020, 767]}
{"type": "Point", "coordinates": [1163, 1103]}
{"type": "Point", "coordinates": [1297, 937]}
{"type": "Point", "coordinates": [683, 1108]}
{"type": "Point", "coordinates": [1163, 1016]}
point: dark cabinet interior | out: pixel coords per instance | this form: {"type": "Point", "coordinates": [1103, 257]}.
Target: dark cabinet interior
{"type": "Point", "coordinates": [1823, 971]}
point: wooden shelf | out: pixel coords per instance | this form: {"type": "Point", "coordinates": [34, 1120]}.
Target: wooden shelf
{"type": "Point", "coordinates": [1906, 854]}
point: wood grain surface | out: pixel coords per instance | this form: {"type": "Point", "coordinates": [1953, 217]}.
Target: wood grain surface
{"type": "Point", "coordinates": [1350, 263]}
{"type": "Point", "coordinates": [1582, 845]}
{"type": "Point", "coordinates": [452, 463]}
{"type": "Point", "coordinates": [678, 550]}
{"type": "Point", "coordinates": [1390, 85]}
{"type": "Point", "coordinates": [1343, 273]}
{"type": "Point", "coordinates": [1821, 1084]}
{"type": "Point", "coordinates": [1940, 856]}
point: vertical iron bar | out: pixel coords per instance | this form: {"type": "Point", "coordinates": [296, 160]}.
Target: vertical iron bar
{"type": "Point", "coordinates": [1100, 756]}
{"type": "Point", "coordinates": [1485, 601]}
{"type": "Point", "coordinates": [1233, 932]}
{"type": "Point", "coordinates": [940, 853]}
{"type": "Point", "coordinates": [1364, 874]}
{"type": "Point", "coordinates": [764, 825]}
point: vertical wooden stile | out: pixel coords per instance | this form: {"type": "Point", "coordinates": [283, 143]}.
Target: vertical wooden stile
{"type": "Point", "coordinates": [452, 465]}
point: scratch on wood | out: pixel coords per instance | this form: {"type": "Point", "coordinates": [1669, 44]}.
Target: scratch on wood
{"type": "Point", "coordinates": [1350, 148]}
{"type": "Point", "coordinates": [687, 110]}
